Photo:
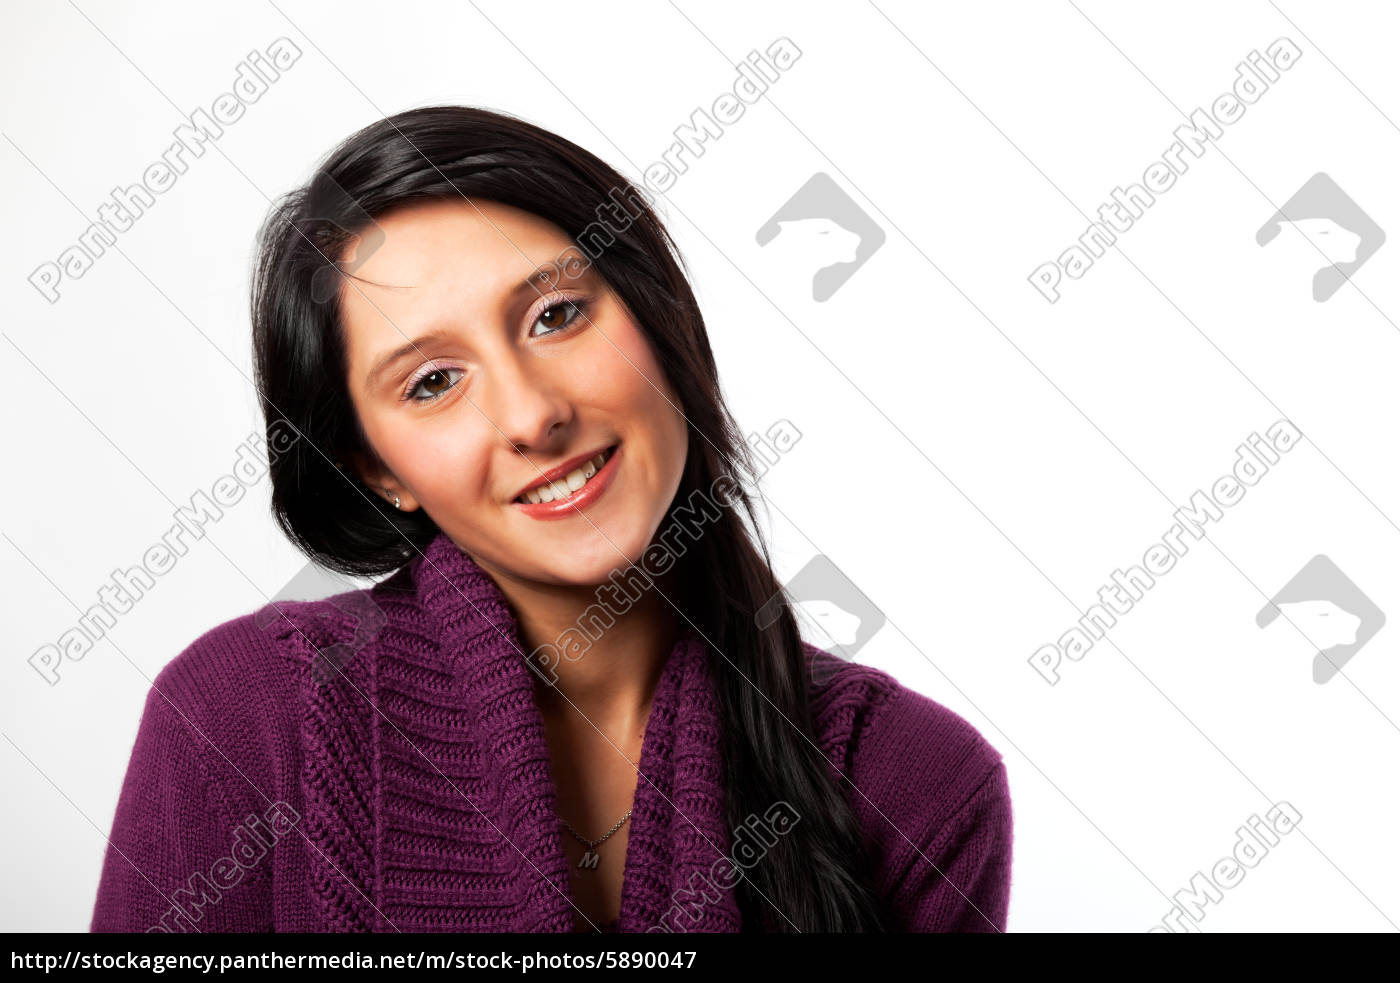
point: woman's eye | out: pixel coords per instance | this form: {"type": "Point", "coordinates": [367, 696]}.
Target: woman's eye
{"type": "Point", "coordinates": [554, 318]}
{"type": "Point", "coordinates": [434, 384]}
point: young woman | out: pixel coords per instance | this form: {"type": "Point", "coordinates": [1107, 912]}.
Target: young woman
{"type": "Point", "coordinates": [570, 704]}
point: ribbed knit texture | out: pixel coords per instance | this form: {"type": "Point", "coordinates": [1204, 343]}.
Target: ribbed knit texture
{"type": "Point", "coordinates": [415, 780]}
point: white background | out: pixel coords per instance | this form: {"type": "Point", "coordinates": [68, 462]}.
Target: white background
{"type": "Point", "coordinates": [976, 460]}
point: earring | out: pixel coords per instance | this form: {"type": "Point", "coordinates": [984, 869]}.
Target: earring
{"type": "Point", "coordinates": [396, 501]}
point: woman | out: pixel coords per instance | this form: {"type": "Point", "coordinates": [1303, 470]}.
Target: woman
{"type": "Point", "coordinates": [571, 705]}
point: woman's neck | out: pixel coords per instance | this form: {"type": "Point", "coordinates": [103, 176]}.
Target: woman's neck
{"type": "Point", "coordinates": [607, 657]}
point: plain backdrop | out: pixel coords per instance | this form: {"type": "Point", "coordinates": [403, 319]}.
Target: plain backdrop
{"type": "Point", "coordinates": [976, 460]}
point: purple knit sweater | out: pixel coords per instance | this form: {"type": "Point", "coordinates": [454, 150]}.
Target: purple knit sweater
{"type": "Point", "coordinates": [409, 787]}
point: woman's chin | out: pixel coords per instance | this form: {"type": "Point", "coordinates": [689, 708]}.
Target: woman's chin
{"type": "Point", "coordinates": [590, 564]}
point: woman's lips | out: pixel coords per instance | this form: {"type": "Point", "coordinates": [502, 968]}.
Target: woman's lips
{"type": "Point", "coordinates": [562, 471]}
{"type": "Point", "coordinates": [579, 498]}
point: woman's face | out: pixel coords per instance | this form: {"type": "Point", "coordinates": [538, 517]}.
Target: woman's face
{"type": "Point", "coordinates": [510, 375]}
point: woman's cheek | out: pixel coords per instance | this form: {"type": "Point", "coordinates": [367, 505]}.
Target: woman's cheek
{"type": "Point", "coordinates": [444, 458]}
{"type": "Point", "coordinates": [625, 372]}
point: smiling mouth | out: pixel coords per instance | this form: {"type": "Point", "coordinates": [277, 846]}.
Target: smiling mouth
{"type": "Point", "coordinates": [568, 484]}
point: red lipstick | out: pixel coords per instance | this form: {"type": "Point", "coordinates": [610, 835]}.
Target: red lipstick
{"type": "Point", "coordinates": [578, 499]}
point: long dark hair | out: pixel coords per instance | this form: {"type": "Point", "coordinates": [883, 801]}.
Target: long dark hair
{"type": "Point", "coordinates": [818, 874]}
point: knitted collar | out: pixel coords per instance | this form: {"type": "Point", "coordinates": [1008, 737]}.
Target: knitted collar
{"type": "Point", "coordinates": [450, 822]}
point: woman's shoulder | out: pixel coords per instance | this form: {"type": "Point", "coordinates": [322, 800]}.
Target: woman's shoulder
{"type": "Point", "coordinates": [281, 641]}
{"type": "Point", "coordinates": [251, 673]}
{"type": "Point", "coordinates": [891, 740]}
{"type": "Point", "coordinates": [251, 651]}
{"type": "Point", "coordinates": [237, 697]}
{"type": "Point", "coordinates": [929, 792]}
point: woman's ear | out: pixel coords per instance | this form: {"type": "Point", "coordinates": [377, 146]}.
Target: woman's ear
{"type": "Point", "coordinates": [380, 480]}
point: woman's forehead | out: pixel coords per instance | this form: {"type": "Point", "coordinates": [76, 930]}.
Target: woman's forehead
{"type": "Point", "coordinates": [453, 255]}
{"type": "Point", "coordinates": [416, 243]}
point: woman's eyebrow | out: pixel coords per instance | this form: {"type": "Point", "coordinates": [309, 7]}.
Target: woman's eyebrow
{"type": "Point", "coordinates": [411, 347]}
{"type": "Point", "coordinates": [388, 360]}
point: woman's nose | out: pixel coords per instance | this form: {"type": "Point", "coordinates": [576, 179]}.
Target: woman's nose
{"type": "Point", "coordinates": [526, 402]}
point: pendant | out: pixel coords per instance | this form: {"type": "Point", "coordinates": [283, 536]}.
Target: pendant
{"type": "Point", "coordinates": [589, 861]}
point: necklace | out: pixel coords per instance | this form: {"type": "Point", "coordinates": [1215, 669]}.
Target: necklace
{"type": "Point", "coordinates": [590, 855]}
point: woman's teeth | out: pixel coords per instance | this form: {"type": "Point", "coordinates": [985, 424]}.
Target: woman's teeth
{"type": "Point", "coordinates": [566, 485]}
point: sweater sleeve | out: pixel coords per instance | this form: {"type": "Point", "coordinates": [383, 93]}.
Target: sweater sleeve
{"type": "Point", "coordinates": [933, 797]}
{"type": "Point", "coordinates": [176, 860]}
{"type": "Point", "coordinates": [962, 883]}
